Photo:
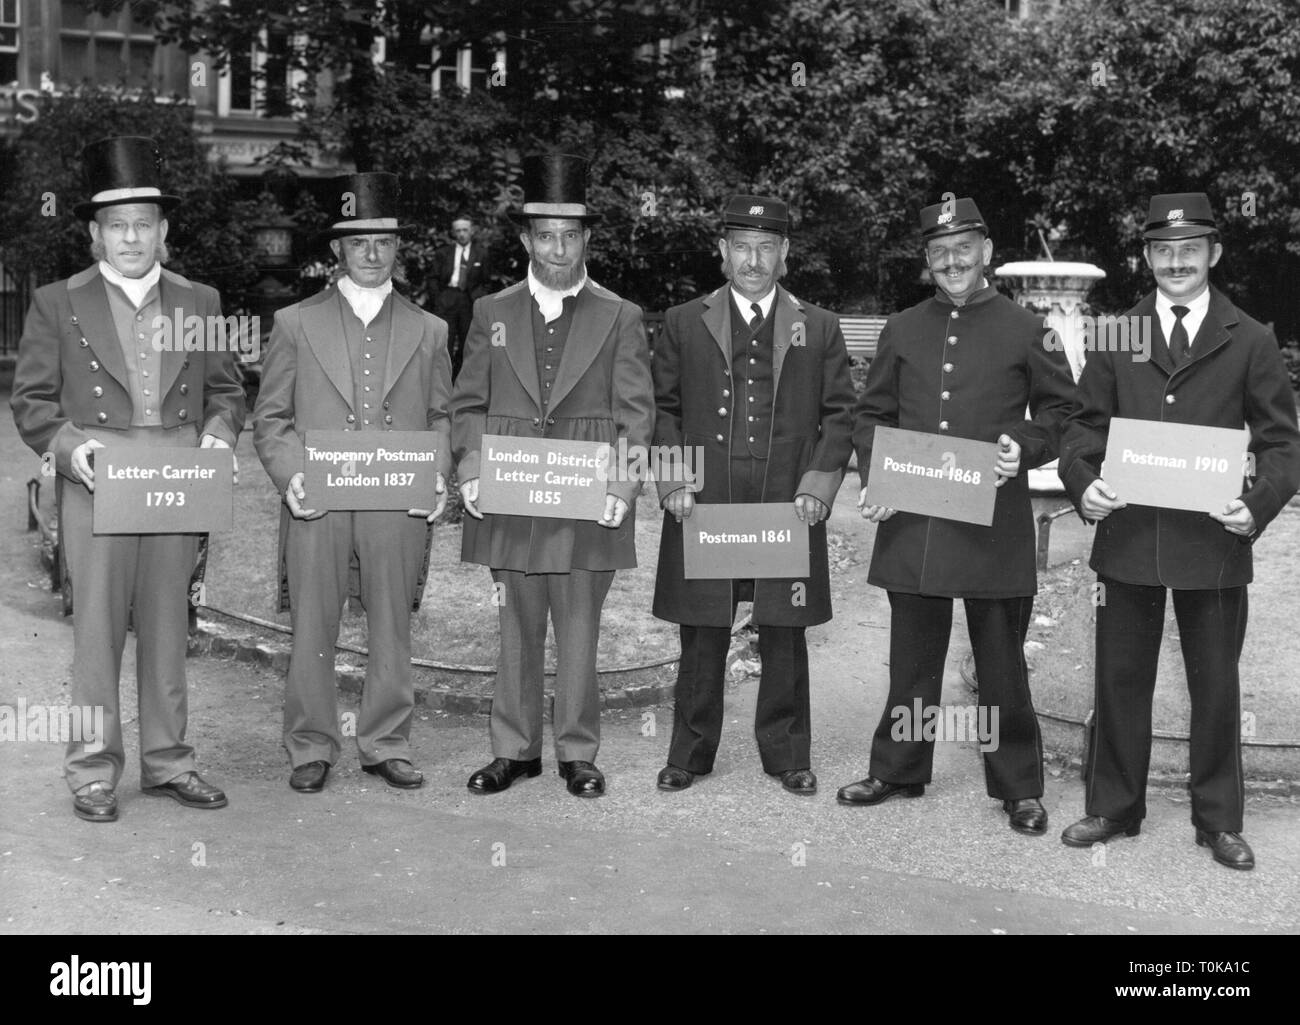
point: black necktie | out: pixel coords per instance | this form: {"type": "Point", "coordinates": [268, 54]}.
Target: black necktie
{"type": "Point", "coordinates": [756, 321]}
{"type": "Point", "coordinates": [1178, 344]}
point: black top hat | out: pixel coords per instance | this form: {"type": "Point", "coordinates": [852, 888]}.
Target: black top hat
{"type": "Point", "coordinates": [365, 203]}
{"type": "Point", "coordinates": [555, 185]}
{"type": "Point", "coordinates": [125, 169]}
{"type": "Point", "coordinates": [1179, 215]}
{"type": "Point", "coordinates": [757, 213]}
{"type": "Point", "coordinates": [950, 218]}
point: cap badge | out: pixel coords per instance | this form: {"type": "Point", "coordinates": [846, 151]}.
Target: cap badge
{"type": "Point", "coordinates": [1175, 215]}
{"type": "Point", "coordinates": [755, 211]}
{"type": "Point", "coordinates": [944, 218]}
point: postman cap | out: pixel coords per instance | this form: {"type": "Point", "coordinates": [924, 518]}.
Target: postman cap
{"type": "Point", "coordinates": [950, 218]}
{"type": "Point", "coordinates": [1179, 215]}
{"type": "Point", "coordinates": [757, 213]}
{"type": "Point", "coordinates": [122, 169]}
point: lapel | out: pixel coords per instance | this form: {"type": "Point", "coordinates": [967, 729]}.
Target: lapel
{"type": "Point", "coordinates": [93, 318]}
{"type": "Point", "coordinates": [517, 321]}
{"type": "Point", "coordinates": [1213, 333]}
{"type": "Point", "coordinates": [790, 320]}
{"type": "Point", "coordinates": [1146, 307]}
{"type": "Point", "coordinates": [594, 314]}
{"type": "Point", "coordinates": [405, 333]}
{"type": "Point", "coordinates": [717, 318]}
{"type": "Point", "coordinates": [322, 324]}
{"type": "Point", "coordinates": [176, 300]}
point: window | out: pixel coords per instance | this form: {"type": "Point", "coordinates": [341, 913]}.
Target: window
{"type": "Point", "coordinates": [261, 80]}
{"type": "Point", "coordinates": [8, 41]}
{"type": "Point", "coordinates": [470, 67]}
{"type": "Point", "coordinates": [112, 49]}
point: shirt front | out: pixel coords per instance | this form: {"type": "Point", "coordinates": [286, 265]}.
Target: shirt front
{"type": "Point", "coordinates": [1196, 310]}
{"type": "Point", "coordinates": [134, 325]}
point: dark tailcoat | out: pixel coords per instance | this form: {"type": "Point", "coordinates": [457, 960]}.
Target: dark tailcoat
{"type": "Point", "coordinates": [1235, 378]}
{"type": "Point", "coordinates": [602, 393]}
{"type": "Point", "coordinates": [810, 443]}
{"type": "Point", "coordinates": [969, 371]}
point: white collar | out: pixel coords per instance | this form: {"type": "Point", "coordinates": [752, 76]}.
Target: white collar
{"type": "Point", "coordinates": [1197, 308]}
{"type": "Point", "coordinates": [549, 300]}
{"type": "Point", "coordinates": [743, 302]}
{"type": "Point", "coordinates": [136, 289]}
{"type": "Point", "coordinates": [365, 301]}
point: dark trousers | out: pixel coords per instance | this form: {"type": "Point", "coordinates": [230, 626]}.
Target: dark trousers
{"type": "Point", "coordinates": [919, 631]}
{"type": "Point", "coordinates": [1211, 629]}
{"type": "Point", "coordinates": [783, 719]}
{"type": "Point", "coordinates": [456, 308]}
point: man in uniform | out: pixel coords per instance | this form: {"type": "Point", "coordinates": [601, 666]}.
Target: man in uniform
{"type": "Point", "coordinates": [760, 381]}
{"type": "Point", "coordinates": [554, 356]}
{"type": "Point", "coordinates": [355, 357]}
{"type": "Point", "coordinates": [88, 374]}
{"type": "Point", "coordinates": [965, 362]}
{"type": "Point", "coordinates": [461, 273]}
{"type": "Point", "coordinates": [1212, 365]}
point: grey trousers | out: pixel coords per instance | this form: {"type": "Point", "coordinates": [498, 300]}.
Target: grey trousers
{"type": "Point", "coordinates": [389, 547]}
{"type": "Point", "coordinates": [574, 601]}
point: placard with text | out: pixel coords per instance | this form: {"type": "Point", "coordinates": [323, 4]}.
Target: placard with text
{"type": "Point", "coordinates": [163, 490]}
{"type": "Point", "coordinates": [370, 470]}
{"type": "Point", "coordinates": [1175, 466]}
{"type": "Point", "coordinates": [747, 541]}
{"type": "Point", "coordinates": [543, 477]}
{"type": "Point", "coordinates": [933, 475]}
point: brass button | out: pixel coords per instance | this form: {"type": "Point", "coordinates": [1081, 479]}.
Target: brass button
{"type": "Point", "coordinates": [185, 389]}
{"type": "Point", "coordinates": [1169, 399]}
{"type": "Point", "coordinates": [102, 417]}
{"type": "Point", "coordinates": [94, 366]}
{"type": "Point", "coordinates": [351, 419]}
{"type": "Point", "coordinates": [722, 411]}
{"type": "Point", "coordinates": [946, 395]}
{"type": "Point", "coordinates": [388, 419]}
{"type": "Point", "coordinates": [536, 421]}
{"type": "Point", "coordinates": [952, 339]}
{"type": "Point", "coordinates": [550, 420]}
{"type": "Point", "coordinates": [97, 391]}
{"type": "Point", "coordinates": [751, 439]}
{"type": "Point", "coordinates": [953, 314]}
{"type": "Point", "coordinates": [83, 343]}
{"type": "Point", "coordinates": [148, 412]}
{"type": "Point", "coordinates": [943, 425]}
{"type": "Point", "coordinates": [726, 394]}
{"type": "Point", "coordinates": [387, 404]}
{"type": "Point", "coordinates": [185, 363]}
{"type": "Point", "coordinates": [720, 438]}
{"type": "Point", "coordinates": [183, 413]}
{"type": "Point", "coordinates": [947, 368]}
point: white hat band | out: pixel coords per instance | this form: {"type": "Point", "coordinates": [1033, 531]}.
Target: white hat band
{"type": "Point", "coordinates": [117, 195]}
{"type": "Point", "coordinates": [555, 210]}
{"type": "Point", "coordinates": [371, 224]}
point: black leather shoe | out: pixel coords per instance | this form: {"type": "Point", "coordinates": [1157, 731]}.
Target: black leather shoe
{"type": "Point", "coordinates": [1228, 849]}
{"type": "Point", "coordinates": [1093, 829]}
{"type": "Point", "coordinates": [1027, 815]}
{"type": "Point", "coordinates": [191, 791]}
{"type": "Point", "coordinates": [309, 778]}
{"type": "Point", "coordinates": [397, 772]}
{"type": "Point", "coordinates": [95, 802]}
{"type": "Point", "coordinates": [501, 772]}
{"type": "Point", "coordinates": [873, 791]}
{"type": "Point", "coordinates": [585, 780]}
{"type": "Point", "coordinates": [673, 778]}
{"type": "Point", "coordinates": [798, 781]}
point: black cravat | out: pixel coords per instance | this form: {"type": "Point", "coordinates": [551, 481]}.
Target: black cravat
{"type": "Point", "coordinates": [756, 320]}
{"type": "Point", "coordinates": [1178, 344]}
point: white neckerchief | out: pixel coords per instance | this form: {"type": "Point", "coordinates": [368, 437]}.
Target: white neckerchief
{"type": "Point", "coordinates": [365, 302]}
{"type": "Point", "coordinates": [1196, 310]}
{"type": "Point", "coordinates": [135, 288]}
{"type": "Point", "coordinates": [549, 300]}
{"type": "Point", "coordinates": [743, 302]}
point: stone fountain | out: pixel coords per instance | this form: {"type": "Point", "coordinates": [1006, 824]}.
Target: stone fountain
{"type": "Point", "coordinates": [1058, 291]}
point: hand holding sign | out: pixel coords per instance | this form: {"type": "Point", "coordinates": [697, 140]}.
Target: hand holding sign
{"type": "Point", "coordinates": [469, 497]}
{"type": "Point", "coordinates": [440, 488]}
{"type": "Point", "coordinates": [81, 462]}
{"type": "Point", "coordinates": [212, 441]}
{"type": "Point", "coordinates": [680, 503]}
{"type": "Point", "coordinates": [615, 510]}
{"type": "Point", "coordinates": [1099, 501]}
{"type": "Point", "coordinates": [809, 510]}
{"type": "Point", "coordinates": [874, 513]}
{"type": "Point", "coordinates": [1008, 464]}
{"type": "Point", "coordinates": [295, 495]}
{"type": "Point", "coordinates": [1236, 518]}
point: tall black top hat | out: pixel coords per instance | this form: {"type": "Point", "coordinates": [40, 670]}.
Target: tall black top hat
{"type": "Point", "coordinates": [555, 185]}
{"type": "Point", "coordinates": [1179, 215]}
{"type": "Point", "coordinates": [951, 218]}
{"type": "Point", "coordinates": [125, 169]}
{"type": "Point", "coordinates": [365, 203]}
